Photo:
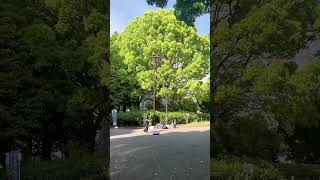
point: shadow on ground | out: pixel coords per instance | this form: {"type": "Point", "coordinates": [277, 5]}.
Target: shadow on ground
{"type": "Point", "coordinates": [125, 130]}
{"type": "Point", "coordinates": [174, 155]}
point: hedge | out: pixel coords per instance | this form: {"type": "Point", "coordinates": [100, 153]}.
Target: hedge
{"type": "Point", "coordinates": [135, 118]}
{"type": "Point", "coordinates": [132, 118]}
{"type": "Point", "coordinates": [232, 168]}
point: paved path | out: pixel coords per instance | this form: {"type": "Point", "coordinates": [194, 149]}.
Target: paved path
{"type": "Point", "coordinates": [181, 153]}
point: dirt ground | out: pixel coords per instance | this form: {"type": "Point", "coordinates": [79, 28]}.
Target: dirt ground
{"type": "Point", "coordinates": [138, 131]}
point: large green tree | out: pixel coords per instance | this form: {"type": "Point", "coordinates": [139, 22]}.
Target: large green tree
{"type": "Point", "coordinates": [246, 39]}
{"type": "Point", "coordinates": [183, 55]}
{"type": "Point", "coordinates": [55, 77]}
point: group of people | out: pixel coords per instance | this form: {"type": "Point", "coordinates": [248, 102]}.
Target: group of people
{"type": "Point", "coordinates": [114, 120]}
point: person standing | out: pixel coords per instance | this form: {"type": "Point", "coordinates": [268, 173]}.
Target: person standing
{"type": "Point", "coordinates": [114, 117]}
{"type": "Point", "coordinates": [146, 123]}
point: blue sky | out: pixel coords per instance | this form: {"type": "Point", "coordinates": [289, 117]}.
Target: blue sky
{"type": "Point", "coordinates": [122, 11]}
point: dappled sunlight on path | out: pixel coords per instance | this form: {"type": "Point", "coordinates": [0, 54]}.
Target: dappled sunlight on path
{"type": "Point", "coordinates": [132, 132]}
{"type": "Point", "coordinates": [180, 153]}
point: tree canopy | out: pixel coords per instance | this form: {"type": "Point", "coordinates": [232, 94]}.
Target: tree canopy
{"type": "Point", "coordinates": [55, 73]}
{"type": "Point", "coordinates": [183, 54]}
{"type": "Point", "coordinates": [254, 81]}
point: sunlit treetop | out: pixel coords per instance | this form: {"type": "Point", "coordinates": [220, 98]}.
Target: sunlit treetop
{"type": "Point", "coordinates": [184, 54]}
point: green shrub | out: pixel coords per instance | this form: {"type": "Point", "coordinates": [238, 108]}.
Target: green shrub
{"type": "Point", "coordinates": [85, 167]}
{"type": "Point", "coordinates": [182, 117]}
{"type": "Point", "coordinates": [223, 169]}
{"type": "Point", "coordinates": [300, 170]}
{"type": "Point", "coordinates": [135, 118]}
{"type": "Point", "coordinates": [204, 116]}
{"type": "Point", "coordinates": [131, 118]}
{"type": "Point", "coordinates": [232, 168]}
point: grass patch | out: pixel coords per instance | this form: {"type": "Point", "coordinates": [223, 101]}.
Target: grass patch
{"type": "Point", "coordinates": [232, 168]}
{"type": "Point", "coordinates": [80, 165]}
{"type": "Point", "coordinates": [300, 170]}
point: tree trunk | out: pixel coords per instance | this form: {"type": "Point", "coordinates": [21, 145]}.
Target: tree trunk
{"type": "Point", "coordinates": [214, 17]}
{"type": "Point", "coordinates": [103, 143]}
{"type": "Point", "coordinates": [158, 103]}
{"type": "Point", "coordinates": [166, 108]}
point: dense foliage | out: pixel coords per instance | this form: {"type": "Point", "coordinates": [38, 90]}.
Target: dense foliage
{"type": "Point", "coordinates": [125, 90]}
{"type": "Point", "coordinates": [178, 77]}
{"type": "Point", "coordinates": [306, 114]}
{"type": "Point", "coordinates": [263, 105]}
{"type": "Point", "coordinates": [54, 74]}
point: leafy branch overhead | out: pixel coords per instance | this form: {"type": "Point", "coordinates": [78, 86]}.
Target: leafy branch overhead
{"type": "Point", "coordinates": [185, 10]}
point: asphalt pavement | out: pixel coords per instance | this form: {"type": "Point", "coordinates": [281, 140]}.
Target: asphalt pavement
{"type": "Point", "coordinates": [181, 153]}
